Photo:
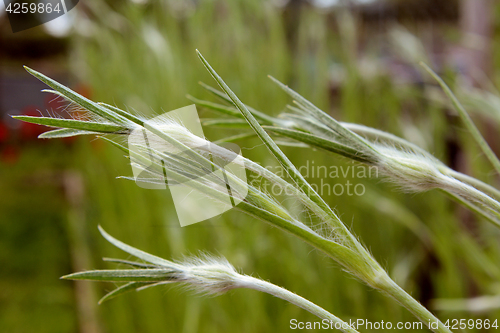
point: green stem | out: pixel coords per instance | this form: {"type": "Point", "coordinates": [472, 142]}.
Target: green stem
{"type": "Point", "coordinates": [490, 215]}
{"type": "Point", "coordinates": [490, 190]}
{"type": "Point", "coordinates": [299, 301]}
{"type": "Point", "coordinates": [418, 310]}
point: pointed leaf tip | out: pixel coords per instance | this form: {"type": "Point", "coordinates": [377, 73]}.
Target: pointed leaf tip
{"type": "Point", "coordinates": [136, 252]}
{"type": "Point", "coordinates": [122, 290]}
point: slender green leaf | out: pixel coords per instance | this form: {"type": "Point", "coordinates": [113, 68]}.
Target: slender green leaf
{"type": "Point", "coordinates": [116, 144]}
{"type": "Point", "coordinates": [123, 113]}
{"type": "Point", "coordinates": [379, 135]}
{"type": "Point", "coordinates": [325, 119]}
{"type": "Point", "coordinates": [223, 122]}
{"type": "Point", "coordinates": [136, 252]}
{"type": "Point", "coordinates": [122, 290]}
{"type": "Point", "coordinates": [79, 99]}
{"type": "Point", "coordinates": [236, 137]}
{"type": "Point", "coordinates": [128, 275]}
{"type": "Point", "coordinates": [264, 118]}
{"type": "Point", "coordinates": [297, 110]}
{"type": "Point", "coordinates": [130, 263]}
{"type": "Point", "coordinates": [466, 119]}
{"type": "Point", "coordinates": [219, 94]}
{"type": "Point", "coordinates": [292, 143]}
{"type": "Point", "coordinates": [74, 124]}
{"type": "Point", "coordinates": [64, 133]}
{"type": "Point", "coordinates": [227, 110]}
{"type": "Point", "coordinates": [312, 125]}
{"type": "Point", "coordinates": [322, 143]}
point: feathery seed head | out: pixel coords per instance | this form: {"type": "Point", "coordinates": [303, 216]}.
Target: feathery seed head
{"type": "Point", "coordinates": [210, 275]}
{"type": "Point", "coordinates": [410, 171]}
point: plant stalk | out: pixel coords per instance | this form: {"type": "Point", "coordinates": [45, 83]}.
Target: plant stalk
{"type": "Point", "coordinates": [390, 287]}
{"type": "Point", "coordinates": [299, 301]}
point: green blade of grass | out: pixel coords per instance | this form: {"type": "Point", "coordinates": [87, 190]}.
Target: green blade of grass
{"type": "Point", "coordinates": [312, 125]}
{"type": "Point", "coordinates": [65, 133]}
{"type": "Point", "coordinates": [376, 134]}
{"type": "Point", "coordinates": [322, 143]}
{"type": "Point", "coordinates": [123, 113]}
{"type": "Point", "coordinates": [130, 263]}
{"type": "Point", "coordinates": [236, 137]}
{"type": "Point", "coordinates": [79, 99]}
{"type": "Point", "coordinates": [284, 143]}
{"type": "Point", "coordinates": [73, 124]}
{"type": "Point", "coordinates": [128, 275]}
{"type": "Point", "coordinates": [116, 144]}
{"type": "Point", "coordinates": [325, 119]}
{"type": "Point", "coordinates": [122, 290]}
{"type": "Point", "coordinates": [297, 110]}
{"type": "Point", "coordinates": [225, 122]}
{"type": "Point", "coordinates": [264, 118]}
{"type": "Point", "coordinates": [136, 252]}
{"type": "Point", "coordinates": [217, 93]}
{"type": "Point", "coordinates": [227, 110]}
{"type": "Point", "coordinates": [466, 119]}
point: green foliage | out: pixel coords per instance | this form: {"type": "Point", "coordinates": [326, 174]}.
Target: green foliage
{"type": "Point", "coordinates": [245, 41]}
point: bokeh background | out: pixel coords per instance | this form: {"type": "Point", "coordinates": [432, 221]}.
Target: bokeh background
{"type": "Point", "coordinates": [356, 60]}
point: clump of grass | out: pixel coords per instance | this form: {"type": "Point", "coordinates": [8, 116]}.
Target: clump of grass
{"type": "Point", "coordinates": [339, 244]}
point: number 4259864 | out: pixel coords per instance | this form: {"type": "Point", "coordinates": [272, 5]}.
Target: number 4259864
{"type": "Point", "coordinates": [24, 8]}
{"type": "Point", "coordinates": [455, 324]}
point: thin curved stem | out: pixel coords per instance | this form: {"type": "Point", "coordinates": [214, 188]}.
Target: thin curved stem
{"type": "Point", "coordinates": [466, 119]}
{"type": "Point", "coordinates": [299, 301]}
{"type": "Point", "coordinates": [419, 311]}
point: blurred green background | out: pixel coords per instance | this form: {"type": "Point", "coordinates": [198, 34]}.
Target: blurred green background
{"type": "Point", "coordinates": [355, 60]}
